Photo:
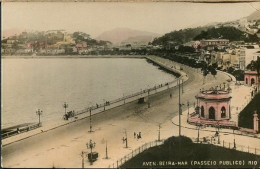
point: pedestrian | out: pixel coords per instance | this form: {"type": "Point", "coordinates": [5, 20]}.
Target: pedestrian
{"type": "Point", "coordinates": [140, 135]}
{"type": "Point", "coordinates": [134, 134]}
{"type": "Point", "coordinates": [170, 95]}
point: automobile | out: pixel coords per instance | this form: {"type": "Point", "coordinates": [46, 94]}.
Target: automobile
{"type": "Point", "coordinates": [94, 156]}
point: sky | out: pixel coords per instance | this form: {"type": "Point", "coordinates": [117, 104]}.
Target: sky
{"type": "Point", "coordinates": [96, 17]}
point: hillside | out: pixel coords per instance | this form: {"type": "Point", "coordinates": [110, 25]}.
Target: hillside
{"type": "Point", "coordinates": [180, 36]}
{"type": "Point", "coordinates": [119, 35]}
{"type": "Point", "coordinates": [138, 40]}
{"type": "Point", "coordinates": [230, 33]}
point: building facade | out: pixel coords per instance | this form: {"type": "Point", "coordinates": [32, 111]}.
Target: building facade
{"type": "Point", "coordinates": [214, 105]}
{"type": "Point", "coordinates": [251, 77]}
{"type": "Point", "coordinates": [214, 42]}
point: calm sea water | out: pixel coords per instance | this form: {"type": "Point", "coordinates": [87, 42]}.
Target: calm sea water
{"type": "Point", "coordinates": [29, 84]}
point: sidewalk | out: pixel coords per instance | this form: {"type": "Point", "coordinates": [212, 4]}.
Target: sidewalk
{"type": "Point", "coordinates": [56, 124]}
{"type": "Point", "coordinates": [240, 98]}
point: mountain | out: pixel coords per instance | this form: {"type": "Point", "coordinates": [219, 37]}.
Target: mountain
{"type": "Point", "coordinates": [254, 16]}
{"type": "Point", "coordinates": [138, 40]}
{"type": "Point", "coordinates": [125, 35]}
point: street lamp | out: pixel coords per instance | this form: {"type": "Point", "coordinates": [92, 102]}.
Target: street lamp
{"type": "Point", "coordinates": [104, 104]}
{"type": "Point", "coordinates": [90, 121]}
{"type": "Point", "coordinates": [83, 154]}
{"type": "Point", "coordinates": [159, 134]}
{"type": "Point", "coordinates": [188, 104]}
{"type": "Point", "coordinates": [234, 139]}
{"type": "Point", "coordinates": [198, 127]}
{"type": "Point", "coordinates": [180, 110]}
{"type": "Point", "coordinates": [65, 106]}
{"type": "Point", "coordinates": [218, 132]}
{"type": "Point", "coordinates": [91, 145]}
{"type": "Point", "coordinates": [148, 101]}
{"type": "Point", "coordinates": [39, 113]}
{"type": "Point", "coordinates": [125, 140]}
{"type": "Point", "coordinates": [182, 85]}
{"type": "Point", "coordinates": [106, 151]}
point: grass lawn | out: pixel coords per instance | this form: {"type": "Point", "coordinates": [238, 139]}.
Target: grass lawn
{"type": "Point", "coordinates": [246, 115]}
{"type": "Point", "coordinates": [181, 152]}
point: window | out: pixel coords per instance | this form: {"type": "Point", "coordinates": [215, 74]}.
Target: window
{"type": "Point", "coordinates": [212, 113]}
{"type": "Point", "coordinates": [223, 112]}
{"type": "Point", "coordinates": [202, 111]}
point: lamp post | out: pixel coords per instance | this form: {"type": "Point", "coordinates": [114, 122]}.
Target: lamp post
{"type": "Point", "coordinates": [159, 133]}
{"type": "Point", "coordinates": [65, 106]}
{"type": "Point", "coordinates": [104, 104]}
{"type": "Point", "coordinates": [234, 139]}
{"type": "Point", "coordinates": [91, 145]}
{"type": "Point", "coordinates": [106, 151]}
{"type": "Point", "coordinates": [198, 127]}
{"type": "Point", "coordinates": [182, 85]}
{"type": "Point", "coordinates": [180, 106]}
{"type": "Point", "coordinates": [125, 140]}
{"type": "Point", "coordinates": [188, 104]}
{"type": "Point", "coordinates": [90, 121]}
{"type": "Point", "coordinates": [218, 132]}
{"type": "Point", "coordinates": [39, 113]}
{"type": "Point", "coordinates": [148, 101]}
{"type": "Point", "coordinates": [83, 154]}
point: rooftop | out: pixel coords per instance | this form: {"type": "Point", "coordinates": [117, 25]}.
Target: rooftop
{"type": "Point", "coordinates": [214, 94]}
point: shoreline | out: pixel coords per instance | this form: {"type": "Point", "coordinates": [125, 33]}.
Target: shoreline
{"type": "Point", "coordinates": [70, 56]}
{"type": "Point", "coordinates": [111, 125]}
{"type": "Point", "coordinates": [82, 114]}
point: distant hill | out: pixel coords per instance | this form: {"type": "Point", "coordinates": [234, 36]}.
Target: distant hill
{"type": "Point", "coordinates": [230, 33]}
{"type": "Point", "coordinates": [125, 35]}
{"type": "Point", "coordinates": [254, 16]}
{"type": "Point", "coordinates": [180, 36]}
{"type": "Point", "coordinates": [138, 40]}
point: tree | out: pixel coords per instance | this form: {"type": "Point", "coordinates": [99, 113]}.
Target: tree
{"type": "Point", "coordinates": [239, 74]}
{"type": "Point", "coordinates": [230, 70]}
{"type": "Point", "coordinates": [251, 65]}
{"type": "Point", "coordinates": [213, 71]}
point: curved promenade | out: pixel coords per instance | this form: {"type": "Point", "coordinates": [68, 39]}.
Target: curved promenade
{"type": "Point", "coordinates": [61, 147]}
{"type": "Point", "coordinates": [102, 107]}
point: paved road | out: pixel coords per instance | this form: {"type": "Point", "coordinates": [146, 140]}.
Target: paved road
{"type": "Point", "coordinates": [61, 147]}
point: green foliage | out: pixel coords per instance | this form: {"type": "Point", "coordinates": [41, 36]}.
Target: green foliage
{"type": "Point", "coordinates": [230, 70]}
{"type": "Point", "coordinates": [239, 74]}
{"type": "Point", "coordinates": [182, 149]}
{"type": "Point", "coordinates": [83, 37]}
{"type": "Point", "coordinates": [230, 33]}
{"type": "Point", "coordinates": [213, 71]}
{"type": "Point", "coordinates": [184, 49]}
{"type": "Point", "coordinates": [179, 37]}
{"type": "Point", "coordinates": [246, 115]}
{"type": "Point", "coordinates": [251, 65]}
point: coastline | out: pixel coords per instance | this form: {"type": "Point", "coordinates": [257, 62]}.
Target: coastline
{"type": "Point", "coordinates": [69, 56]}
{"type": "Point", "coordinates": [82, 114]}
{"type": "Point", "coordinates": [133, 117]}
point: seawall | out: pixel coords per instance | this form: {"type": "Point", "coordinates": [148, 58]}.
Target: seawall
{"type": "Point", "coordinates": [82, 114]}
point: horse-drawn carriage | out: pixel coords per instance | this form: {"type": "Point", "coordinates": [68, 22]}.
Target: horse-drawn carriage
{"type": "Point", "coordinates": [68, 115]}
